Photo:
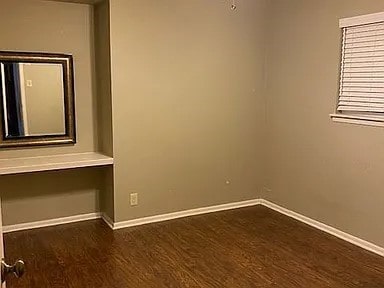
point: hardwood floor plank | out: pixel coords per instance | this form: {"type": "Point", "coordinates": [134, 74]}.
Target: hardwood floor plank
{"type": "Point", "coordinates": [249, 247]}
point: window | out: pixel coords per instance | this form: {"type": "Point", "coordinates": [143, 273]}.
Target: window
{"type": "Point", "coordinates": [361, 95]}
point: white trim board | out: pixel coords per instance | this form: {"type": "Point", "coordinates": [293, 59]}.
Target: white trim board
{"type": "Point", "coordinates": [107, 220]}
{"type": "Point", "coordinates": [326, 228]}
{"type": "Point", "coordinates": [185, 213]}
{"type": "Point", "coordinates": [304, 219]}
{"type": "Point", "coordinates": [51, 222]}
{"type": "Point", "coordinates": [198, 211]}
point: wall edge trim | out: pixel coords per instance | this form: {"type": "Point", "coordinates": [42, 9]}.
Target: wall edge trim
{"type": "Point", "coordinates": [366, 245]}
{"type": "Point", "coordinates": [325, 228]}
{"type": "Point", "coordinates": [185, 213]}
{"type": "Point", "coordinates": [108, 220]}
{"type": "Point", "coordinates": [51, 222]}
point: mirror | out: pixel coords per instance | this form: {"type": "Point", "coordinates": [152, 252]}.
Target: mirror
{"type": "Point", "coordinates": [37, 99]}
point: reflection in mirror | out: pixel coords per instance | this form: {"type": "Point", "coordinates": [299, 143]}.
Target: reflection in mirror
{"type": "Point", "coordinates": [36, 99]}
{"type": "Point", "coordinates": [33, 97]}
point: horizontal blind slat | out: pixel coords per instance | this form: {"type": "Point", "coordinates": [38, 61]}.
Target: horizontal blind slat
{"type": "Point", "coordinates": [368, 60]}
{"type": "Point", "coordinates": [359, 39]}
{"type": "Point", "coordinates": [362, 94]}
{"type": "Point", "coordinates": [364, 28]}
{"type": "Point", "coordinates": [367, 44]}
{"type": "Point", "coordinates": [372, 85]}
{"type": "Point", "coordinates": [363, 69]}
{"type": "Point", "coordinates": [354, 79]}
{"type": "Point", "coordinates": [364, 75]}
{"type": "Point", "coordinates": [364, 34]}
{"type": "Point", "coordinates": [352, 49]}
{"type": "Point", "coordinates": [361, 104]}
{"type": "Point", "coordinates": [371, 54]}
{"type": "Point", "coordinates": [362, 89]}
{"type": "Point", "coordinates": [360, 34]}
{"type": "Point", "coordinates": [362, 99]}
{"type": "Point", "coordinates": [360, 109]}
{"type": "Point", "coordinates": [372, 64]}
{"type": "Point", "coordinates": [369, 94]}
{"type": "Point", "coordinates": [364, 39]}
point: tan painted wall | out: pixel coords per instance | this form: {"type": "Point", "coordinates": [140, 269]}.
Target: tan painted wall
{"type": "Point", "coordinates": [49, 195]}
{"type": "Point", "coordinates": [187, 88]}
{"type": "Point", "coordinates": [103, 81]}
{"type": "Point", "coordinates": [331, 172]}
{"type": "Point", "coordinates": [46, 26]}
{"type": "Point", "coordinates": [33, 25]}
{"type": "Point", "coordinates": [44, 101]}
{"type": "Point", "coordinates": [103, 77]}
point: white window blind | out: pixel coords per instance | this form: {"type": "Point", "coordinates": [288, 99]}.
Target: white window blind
{"type": "Point", "coordinates": [362, 67]}
{"type": "Point", "coordinates": [362, 77]}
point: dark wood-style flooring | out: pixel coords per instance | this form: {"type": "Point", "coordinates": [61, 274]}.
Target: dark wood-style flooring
{"type": "Point", "coordinates": [250, 247]}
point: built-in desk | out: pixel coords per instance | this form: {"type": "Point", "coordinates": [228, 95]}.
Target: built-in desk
{"type": "Point", "coordinates": [53, 162]}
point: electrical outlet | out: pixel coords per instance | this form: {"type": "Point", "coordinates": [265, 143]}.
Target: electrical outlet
{"type": "Point", "coordinates": [134, 198]}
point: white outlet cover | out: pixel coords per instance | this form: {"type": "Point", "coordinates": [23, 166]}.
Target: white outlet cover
{"type": "Point", "coordinates": [134, 199]}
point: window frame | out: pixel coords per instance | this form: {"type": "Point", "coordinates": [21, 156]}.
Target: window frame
{"type": "Point", "coordinates": [360, 119]}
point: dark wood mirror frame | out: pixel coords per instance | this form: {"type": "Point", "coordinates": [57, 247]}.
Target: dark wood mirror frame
{"type": "Point", "coordinates": [69, 100]}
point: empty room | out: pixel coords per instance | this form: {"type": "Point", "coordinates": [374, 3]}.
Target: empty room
{"type": "Point", "coordinates": [192, 143]}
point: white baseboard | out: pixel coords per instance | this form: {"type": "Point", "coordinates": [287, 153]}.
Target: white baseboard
{"type": "Point", "coordinates": [198, 211]}
{"type": "Point", "coordinates": [326, 228]}
{"type": "Point", "coordinates": [107, 220]}
{"type": "Point", "coordinates": [50, 222]}
{"type": "Point", "coordinates": [185, 213]}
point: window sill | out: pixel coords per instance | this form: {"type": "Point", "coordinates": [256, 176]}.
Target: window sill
{"type": "Point", "coordinates": [359, 120]}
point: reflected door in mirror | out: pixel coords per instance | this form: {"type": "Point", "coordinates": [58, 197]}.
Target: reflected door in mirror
{"type": "Point", "coordinates": [37, 99]}
{"type": "Point", "coordinates": [33, 97]}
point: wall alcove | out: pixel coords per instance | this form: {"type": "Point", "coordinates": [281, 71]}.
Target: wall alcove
{"type": "Point", "coordinates": [62, 181]}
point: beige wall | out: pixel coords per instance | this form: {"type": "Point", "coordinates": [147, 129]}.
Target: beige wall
{"type": "Point", "coordinates": [187, 89]}
{"type": "Point", "coordinates": [331, 172]}
{"type": "Point", "coordinates": [49, 195]}
{"type": "Point", "coordinates": [103, 80]}
{"type": "Point", "coordinates": [45, 26]}
{"type": "Point", "coordinates": [103, 76]}
{"type": "Point", "coordinates": [33, 25]}
{"type": "Point", "coordinates": [44, 100]}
